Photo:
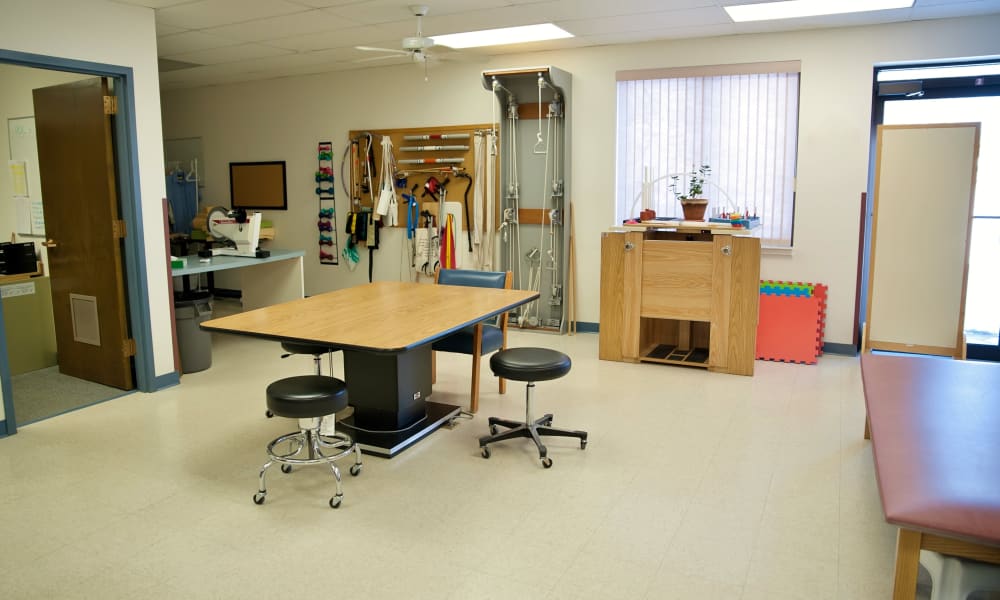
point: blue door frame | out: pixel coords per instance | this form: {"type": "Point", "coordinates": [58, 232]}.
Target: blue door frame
{"type": "Point", "coordinates": [136, 276]}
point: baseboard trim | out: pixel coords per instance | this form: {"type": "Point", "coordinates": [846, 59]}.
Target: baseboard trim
{"type": "Point", "coordinates": [168, 380]}
{"type": "Point", "coordinates": [586, 327]}
{"type": "Point", "coordinates": [841, 349]}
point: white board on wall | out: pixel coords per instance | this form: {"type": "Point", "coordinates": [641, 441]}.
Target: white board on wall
{"type": "Point", "coordinates": [24, 163]}
{"type": "Point", "coordinates": [924, 185]}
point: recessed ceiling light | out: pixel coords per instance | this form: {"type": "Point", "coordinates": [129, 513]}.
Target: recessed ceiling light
{"type": "Point", "coordinates": [498, 37]}
{"type": "Point", "coordinates": [791, 9]}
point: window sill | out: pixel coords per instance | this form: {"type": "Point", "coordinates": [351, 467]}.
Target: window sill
{"type": "Point", "coordinates": [775, 251]}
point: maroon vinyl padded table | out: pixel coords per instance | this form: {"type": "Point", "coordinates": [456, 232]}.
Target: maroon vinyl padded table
{"type": "Point", "coordinates": [935, 431]}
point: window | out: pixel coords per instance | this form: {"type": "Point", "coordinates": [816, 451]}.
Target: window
{"type": "Point", "coordinates": [741, 120]}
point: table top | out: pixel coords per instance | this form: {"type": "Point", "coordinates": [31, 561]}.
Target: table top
{"type": "Point", "coordinates": [193, 264]}
{"type": "Point", "coordinates": [935, 428]}
{"type": "Point", "coordinates": [387, 316]}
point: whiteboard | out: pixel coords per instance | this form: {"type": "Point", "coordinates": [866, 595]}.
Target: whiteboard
{"type": "Point", "coordinates": [30, 219]}
{"type": "Point", "coordinates": [924, 185]}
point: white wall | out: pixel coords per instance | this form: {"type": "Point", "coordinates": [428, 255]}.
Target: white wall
{"type": "Point", "coordinates": [16, 84]}
{"type": "Point", "coordinates": [117, 34]}
{"type": "Point", "coordinates": [283, 119]}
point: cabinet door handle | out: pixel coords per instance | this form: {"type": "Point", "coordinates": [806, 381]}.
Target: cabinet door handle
{"type": "Point", "coordinates": [727, 250]}
{"type": "Point", "coordinates": [629, 246]}
{"type": "Point", "coordinates": [49, 243]}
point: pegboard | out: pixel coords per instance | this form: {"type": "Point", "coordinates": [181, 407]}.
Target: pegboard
{"type": "Point", "coordinates": [444, 151]}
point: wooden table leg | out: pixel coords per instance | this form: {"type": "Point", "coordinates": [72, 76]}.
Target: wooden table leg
{"type": "Point", "coordinates": [907, 564]}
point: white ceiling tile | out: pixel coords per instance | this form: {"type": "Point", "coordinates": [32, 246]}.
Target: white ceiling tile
{"type": "Point", "coordinates": [164, 29]}
{"type": "Point", "coordinates": [355, 36]}
{"type": "Point", "coordinates": [388, 11]}
{"type": "Point", "coordinates": [938, 9]}
{"type": "Point", "coordinates": [294, 37]}
{"type": "Point", "coordinates": [227, 54]}
{"type": "Point", "coordinates": [646, 21]}
{"type": "Point", "coordinates": [213, 13]}
{"type": "Point", "coordinates": [327, 3]}
{"type": "Point", "coordinates": [608, 8]}
{"type": "Point", "coordinates": [301, 23]}
{"type": "Point", "coordinates": [190, 41]}
{"type": "Point", "coordinates": [151, 3]}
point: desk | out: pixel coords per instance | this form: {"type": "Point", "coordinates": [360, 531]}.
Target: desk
{"type": "Point", "coordinates": [277, 278]}
{"type": "Point", "coordinates": [935, 430]}
{"type": "Point", "coordinates": [385, 330]}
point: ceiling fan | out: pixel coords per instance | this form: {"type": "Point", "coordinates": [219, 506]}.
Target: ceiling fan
{"type": "Point", "coordinates": [415, 47]}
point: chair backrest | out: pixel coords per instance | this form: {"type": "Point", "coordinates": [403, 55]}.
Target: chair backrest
{"type": "Point", "coordinates": [482, 279]}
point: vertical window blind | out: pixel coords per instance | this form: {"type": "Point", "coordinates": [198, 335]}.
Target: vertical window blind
{"type": "Point", "coordinates": [743, 124]}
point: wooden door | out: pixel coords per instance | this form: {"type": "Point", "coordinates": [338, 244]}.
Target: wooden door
{"type": "Point", "coordinates": [77, 167]}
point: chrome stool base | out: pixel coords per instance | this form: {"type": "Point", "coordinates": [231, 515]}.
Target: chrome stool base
{"type": "Point", "coordinates": [313, 444]}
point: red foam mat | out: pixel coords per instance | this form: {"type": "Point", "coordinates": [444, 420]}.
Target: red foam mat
{"type": "Point", "coordinates": [790, 327]}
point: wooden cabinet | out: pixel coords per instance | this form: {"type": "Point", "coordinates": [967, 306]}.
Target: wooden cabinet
{"type": "Point", "coordinates": [680, 297]}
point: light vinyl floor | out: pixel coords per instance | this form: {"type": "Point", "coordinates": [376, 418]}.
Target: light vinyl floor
{"type": "Point", "coordinates": [693, 485]}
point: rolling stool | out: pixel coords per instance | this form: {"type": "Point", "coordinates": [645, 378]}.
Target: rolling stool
{"type": "Point", "coordinates": [317, 350]}
{"type": "Point", "coordinates": [314, 398]}
{"type": "Point", "coordinates": [531, 365]}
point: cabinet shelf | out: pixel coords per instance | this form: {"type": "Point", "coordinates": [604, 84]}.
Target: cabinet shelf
{"type": "Point", "coordinates": [669, 354]}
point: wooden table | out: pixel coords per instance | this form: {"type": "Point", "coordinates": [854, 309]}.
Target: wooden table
{"type": "Point", "coordinates": [935, 431]}
{"type": "Point", "coordinates": [385, 330]}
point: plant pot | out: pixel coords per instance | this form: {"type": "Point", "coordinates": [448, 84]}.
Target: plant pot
{"type": "Point", "coordinates": [647, 215]}
{"type": "Point", "coordinates": [694, 209]}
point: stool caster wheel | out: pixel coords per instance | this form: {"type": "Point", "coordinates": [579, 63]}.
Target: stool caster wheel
{"type": "Point", "coordinates": [485, 450]}
{"type": "Point", "coordinates": [355, 469]}
{"type": "Point", "coordinates": [268, 414]}
{"type": "Point", "coordinates": [286, 468]}
{"type": "Point", "coordinates": [583, 444]}
{"type": "Point", "coordinates": [258, 498]}
{"type": "Point", "coordinates": [547, 462]}
{"type": "Point", "coordinates": [335, 501]}
{"type": "Point", "coordinates": [494, 429]}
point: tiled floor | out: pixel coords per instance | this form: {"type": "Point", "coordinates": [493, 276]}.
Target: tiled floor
{"type": "Point", "coordinates": [693, 485]}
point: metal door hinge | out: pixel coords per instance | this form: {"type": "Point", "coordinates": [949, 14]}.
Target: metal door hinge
{"type": "Point", "coordinates": [128, 348]}
{"type": "Point", "coordinates": [111, 105]}
{"type": "Point", "coordinates": [118, 228]}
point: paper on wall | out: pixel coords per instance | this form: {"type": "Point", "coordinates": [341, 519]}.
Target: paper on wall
{"type": "Point", "coordinates": [19, 175]}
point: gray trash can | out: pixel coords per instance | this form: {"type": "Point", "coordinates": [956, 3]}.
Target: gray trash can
{"type": "Point", "coordinates": [190, 310]}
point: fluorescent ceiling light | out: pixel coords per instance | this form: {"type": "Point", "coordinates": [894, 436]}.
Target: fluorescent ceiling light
{"type": "Point", "coordinates": [498, 37]}
{"type": "Point", "coordinates": [791, 9]}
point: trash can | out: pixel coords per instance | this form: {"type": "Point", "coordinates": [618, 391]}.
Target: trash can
{"type": "Point", "coordinates": [191, 309]}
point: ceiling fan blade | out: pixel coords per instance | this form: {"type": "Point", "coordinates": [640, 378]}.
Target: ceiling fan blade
{"type": "Point", "coordinates": [387, 50]}
{"type": "Point", "coordinates": [383, 57]}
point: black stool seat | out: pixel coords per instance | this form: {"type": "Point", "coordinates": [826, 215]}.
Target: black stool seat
{"type": "Point", "coordinates": [308, 348]}
{"type": "Point", "coordinates": [530, 364]}
{"type": "Point", "coordinates": [306, 396]}
{"type": "Point", "coordinates": [312, 399]}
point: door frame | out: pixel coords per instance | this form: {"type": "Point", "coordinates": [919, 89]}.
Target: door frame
{"type": "Point", "coordinates": [956, 87]}
{"type": "Point", "coordinates": [127, 163]}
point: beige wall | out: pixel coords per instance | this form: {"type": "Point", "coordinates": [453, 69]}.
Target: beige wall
{"type": "Point", "coordinates": [123, 35]}
{"type": "Point", "coordinates": [283, 119]}
{"type": "Point", "coordinates": [16, 84]}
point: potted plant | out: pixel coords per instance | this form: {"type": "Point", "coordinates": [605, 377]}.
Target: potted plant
{"type": "Point", "coordinates": [690, 192]}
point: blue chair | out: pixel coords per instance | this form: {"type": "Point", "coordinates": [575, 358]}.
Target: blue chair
{"type": "Point", "coordinates": [480, 339]}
